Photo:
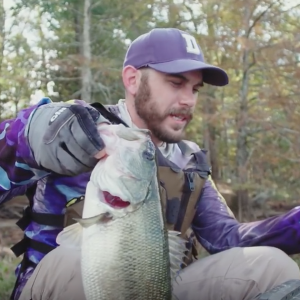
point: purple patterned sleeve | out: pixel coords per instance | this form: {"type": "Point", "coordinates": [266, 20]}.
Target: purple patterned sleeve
{"type": "Point", "coordinates": [217, 230]}
{"type": "Point", "coordinates": [18, 169]}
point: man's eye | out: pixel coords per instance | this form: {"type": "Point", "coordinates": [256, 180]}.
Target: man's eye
{"type": "Point", "coordinates": [195, 91]}
{"type": "Point", "coordinates": [176, 83]}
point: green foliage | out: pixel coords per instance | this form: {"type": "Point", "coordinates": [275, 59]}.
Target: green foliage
{"type": "Point", "coordinates": [255, 117]}
{"type": "Point", "coordinates": [7, 276]}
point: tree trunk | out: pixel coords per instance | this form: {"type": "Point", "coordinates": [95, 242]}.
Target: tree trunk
{"type": "Point", "coordinates": [2, 36]}
{"type": "Point", "coordinates": [242, 123]}
{"type": "Point", "coordinates": [2, 41]}
{"type": "Point", "coordinates": [86, 73]}
{"type": "Point", "coordinates": [210, 108]}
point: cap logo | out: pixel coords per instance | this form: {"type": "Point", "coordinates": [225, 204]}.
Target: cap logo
{"type": "Point", "coordinates": [191, 44]}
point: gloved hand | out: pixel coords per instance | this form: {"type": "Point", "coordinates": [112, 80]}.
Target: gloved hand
{"type": "Point", "coordinates": [64, 138]}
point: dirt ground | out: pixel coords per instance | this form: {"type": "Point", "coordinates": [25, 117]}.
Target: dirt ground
{"type": "Point", "coordinates": [9, 235]}
{"type": "Point", "coordinates": [10, 212]}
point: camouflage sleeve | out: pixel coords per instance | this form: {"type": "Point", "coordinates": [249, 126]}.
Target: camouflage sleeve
{"type": "Point", "coordinates": [18, 169]}
{"type": "Point", "coordinates": [216, 228]}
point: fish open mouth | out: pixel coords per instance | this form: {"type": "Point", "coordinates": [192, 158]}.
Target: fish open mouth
{"type": "Point", "coordinates": [114, 201]}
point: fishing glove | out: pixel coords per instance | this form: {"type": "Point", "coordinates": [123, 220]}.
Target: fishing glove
{"type": "Point", "coordinates": [64, 138]}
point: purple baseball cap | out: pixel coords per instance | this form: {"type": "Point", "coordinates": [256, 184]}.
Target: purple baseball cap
{"type": "Point", "coordinates": [171, 51]}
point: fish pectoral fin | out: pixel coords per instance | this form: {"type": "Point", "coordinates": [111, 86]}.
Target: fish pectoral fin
{"type": "Point", "coordinates": [70, 236]}
{"type": "Point", "coordinates": [87, 222]}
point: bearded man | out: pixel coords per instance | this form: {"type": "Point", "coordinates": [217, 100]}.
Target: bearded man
{"type": "Point", "coordinates": [49, 150]}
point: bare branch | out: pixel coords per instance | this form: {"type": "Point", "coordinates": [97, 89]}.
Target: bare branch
{"type": "Point", "coordinates": [258, 18]}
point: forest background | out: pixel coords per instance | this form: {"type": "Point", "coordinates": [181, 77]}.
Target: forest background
{"type": "Point", "coordinates": [75, 49]}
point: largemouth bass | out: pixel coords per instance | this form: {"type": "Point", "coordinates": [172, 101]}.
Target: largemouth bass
{"type": "Point", "coordinates": [127, 253]}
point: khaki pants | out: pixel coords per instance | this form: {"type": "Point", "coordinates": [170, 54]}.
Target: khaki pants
{"type": "Point", "coordinates": [235, 274]}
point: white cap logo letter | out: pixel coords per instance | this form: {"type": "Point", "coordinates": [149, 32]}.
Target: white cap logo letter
{"type": "Point", "coordinates": [191, 44]}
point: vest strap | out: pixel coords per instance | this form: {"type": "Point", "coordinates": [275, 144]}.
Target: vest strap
{"type": "Point", "coordinates": [22, 246]}
{"type": "Point", "coordinates": [187, 190]}
{"type": "Point", "coordinates": [40, 218]}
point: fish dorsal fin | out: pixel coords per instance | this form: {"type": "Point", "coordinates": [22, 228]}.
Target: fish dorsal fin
{"type": "Point", "coordinates": [70, 237]}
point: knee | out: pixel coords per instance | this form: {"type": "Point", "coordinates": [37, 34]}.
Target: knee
{"type": "Point", "coordinates": [277, 263]}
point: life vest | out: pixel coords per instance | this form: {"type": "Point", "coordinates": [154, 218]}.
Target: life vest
{"type": "Point", "coordinates": [180, 192]}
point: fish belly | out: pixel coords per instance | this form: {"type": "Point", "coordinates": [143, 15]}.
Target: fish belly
{"type": "Point", "coordinates": [127, 258]}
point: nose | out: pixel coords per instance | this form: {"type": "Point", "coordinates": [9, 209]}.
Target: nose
{"type": "Point", "coordinates": [188, 98]}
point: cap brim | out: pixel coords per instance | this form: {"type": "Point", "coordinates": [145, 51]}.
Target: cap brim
{"type": "Point", "coordinates": [211, 74]}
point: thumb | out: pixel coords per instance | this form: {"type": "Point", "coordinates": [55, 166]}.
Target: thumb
{"type": "Point", "coordinates": [100, 154]}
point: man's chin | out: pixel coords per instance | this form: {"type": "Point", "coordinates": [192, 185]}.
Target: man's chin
{"type": "Point", "coordinates": [172, 137]}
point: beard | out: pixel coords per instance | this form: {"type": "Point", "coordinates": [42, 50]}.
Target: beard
{"type": "Point", "coordinates": [148, 110]}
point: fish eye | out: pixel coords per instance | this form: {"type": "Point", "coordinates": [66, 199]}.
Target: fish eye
{"type": "Point", "coordinates": [149, 152]}
{"type": "Point", "coordinates": [149, 155]}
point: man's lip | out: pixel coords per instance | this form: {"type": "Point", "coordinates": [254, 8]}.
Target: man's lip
{"type": "Point", "coordinates": [180, 116]}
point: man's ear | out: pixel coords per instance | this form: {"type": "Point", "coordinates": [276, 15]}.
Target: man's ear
{"type": "Point", "coordinates": [131, 79]}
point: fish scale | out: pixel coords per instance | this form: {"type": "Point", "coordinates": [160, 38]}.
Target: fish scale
{"type": "Point", "coordinates": [142, 241]}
